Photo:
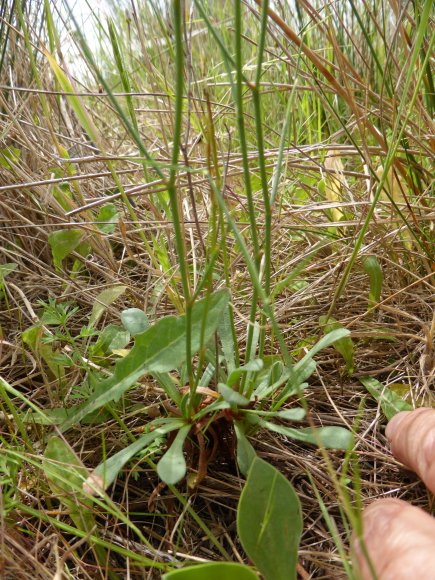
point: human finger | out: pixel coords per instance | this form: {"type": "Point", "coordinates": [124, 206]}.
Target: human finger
{"type": "Point", "coordinates": [399, 540]}
{"type": "Point", "coordinates": [412, 439]}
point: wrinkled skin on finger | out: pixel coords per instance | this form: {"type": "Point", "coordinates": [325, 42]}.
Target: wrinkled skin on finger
{"type": "Point", "coordinates": [400, 538]}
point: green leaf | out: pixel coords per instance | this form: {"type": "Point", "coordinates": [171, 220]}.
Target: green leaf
{"type": "Point", "coordinates": [103, 300]}
{"type": "Point", "coordinates": [330, 437]}
{"type": "Point", "coordinates": [372, 267]}
{"type": "Point", "coordinates": [62, 467]}
{"type": "Point", "coordinates": [135, 320]}
{"type": "Point", "coordinates": [172, 466]}
{"type": "Point", "coordinates": [106, 473]}
{"type": "Point", "coordinates": [295, 414]}
{"type": "Point", "coordinates": [167, 383]}
{"type": "Point", "coordinates": [276, 376]}
{"type": "Point", "coordinates": [231, 396]}
{"type": "Point", "coordinates": [245, 452]}
{"type": "Point", "coordinates": [306, 366]}
{"type": "Point", "coordinates": [390, 402]}
{"type": "Point", "coordinates": [62, 243]}
{"type": "Point", "coordinates": [6, 269]}
{"type": "Point", "coordinates": [66, 474]}
{"type": "Point", "coordinates": [161, 348]}
{"type": "Point", "coordinates": [254, 365]}
{"type": "Point", "coordinates": [32, 336]}
{"type": "Point", "coordinates": [324, 342]}
{"type": "Point", "coordinates": [107, 218]}
{"type": "Point", "coordinates": [227, 340]}
{"type": "Point", "coordinates": [59, 415]}
{"type": "Point", "coordinates": [213, 571]}
{"type": "Point", "coordinates": [211, 408]}
{"type": "Point", "coordinates": [343, 345]}
{"type": "Point", "coordinates": [9, 156]}
{"type": "Point", "coordinates": [111, 338]}
{"type": "Point", "coordinates": [269, 522]}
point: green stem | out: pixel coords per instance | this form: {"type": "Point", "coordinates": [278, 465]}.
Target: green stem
{"type": "Point", "coordinates": [263, 174]}
{"type": "Point", "coordinates": [244, 151]}
{"type": "Point", "coordinates": [172, 190]}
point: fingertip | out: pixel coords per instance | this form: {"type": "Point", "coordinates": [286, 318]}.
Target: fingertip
{"type": "Point", "coordinates": [379, 513]}
{"type": "Point", "coordinates": [369, 550]}
{"type": "Point", "coordinates": [376, 519]}
{"type": "Point", "coordinates": [394, 534]}
{"type": "Point", "coordinates": [394, 424]}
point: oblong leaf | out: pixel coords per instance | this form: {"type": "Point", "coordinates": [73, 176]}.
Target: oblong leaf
{"type": "Point", "coordinates": [330, 437]}
{"type": "Point", "coordinates": [172, 466]}
{"type": "Point", "coordinates": [106, 473]}
{"type": "Point", "coordinates": [245, 452]}
{"type": "Point", "coordinates": [391, 403]}
{"type": "Point", "coordinates": [254, 365]}
{"type": "Point", "coordinates": [62, 243]}
{"type": "Point", "coordinates": [269, 521]}
{"type": "Point", "coordinates": [372, 267]}
{"type": "Point", "coordinates": [227, 340]}
{"type": "Point", "coordinates": [231, 396]}
{"type": "Point", "coordinates": [62, 467]}
{"type": "Point", "coordinates": [107, 218]}
{"type": "Point", "coordinates": [295, 414]}
{"type": "Point", "coordinates": [161, 348]}
{"type": "Point", "coordinates": [103, 300]}
{"type": "Point", "coordinates": [343, 345]}
{"type": "Point", "coordinates": [213, 571]}
{"type": "Point", "coordinates": [324, 342]}
{"type": "Point", "coordinates": [134, 320]}
{"type": "Point", "coordinates": [6, 269]}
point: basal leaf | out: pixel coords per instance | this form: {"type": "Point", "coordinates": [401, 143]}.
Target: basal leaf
{"type": "Point", "coordinates": [295, 414]}
{"type": "Point", "coordinates": [254, 365]}
{"type": "Point", "coordinates": [107, 218]}
{"type": "Point", "coordinates": [213, 571]}
{"type": "Point", "coordinates": [172, 466]}
{"type": "Point", "coordinates": [330, 437]}
{"type": "Point", "coordinates": [373, 269]}
{"type": "Point", "coordinates": [62, 243]}
{"type": "Point", "coordinates": [9, 157]}
{"type": "Point", "coordinates": [324, 342]}
{"type": "Point", "coordinates": [103, 300]}
{"type": "Point", "coordinates": [211, 408]}
{"type": "Point", "coordinates": [62, 467]}
{"type": "Point", "coordinates": [66, 474]}
{"type": "Point", "coordinates": [161, 348]}
{"type": "Point", "coordinates": [6, 269]}
{"type": "Point", "coordinates": [343, 345]}
{"type": "Point", "coordinates": [106, 473]}
{"type": "Point", "coordinates": [134, 320]}
{"type": "Point", "coordinates": [113, 337]}
{"type": "Point", "coordinates": [269, 521]}
{"type": "Point", "coordinates": [245, 452]}
{"type": "Point", "coordinates": [231, 396]}
{"type": "Point", "coordinates": [227, 340]}
{"type": "Point", "coordinates": [306, 366]}
{"type": "Point", "coordinates": [391, 403]}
